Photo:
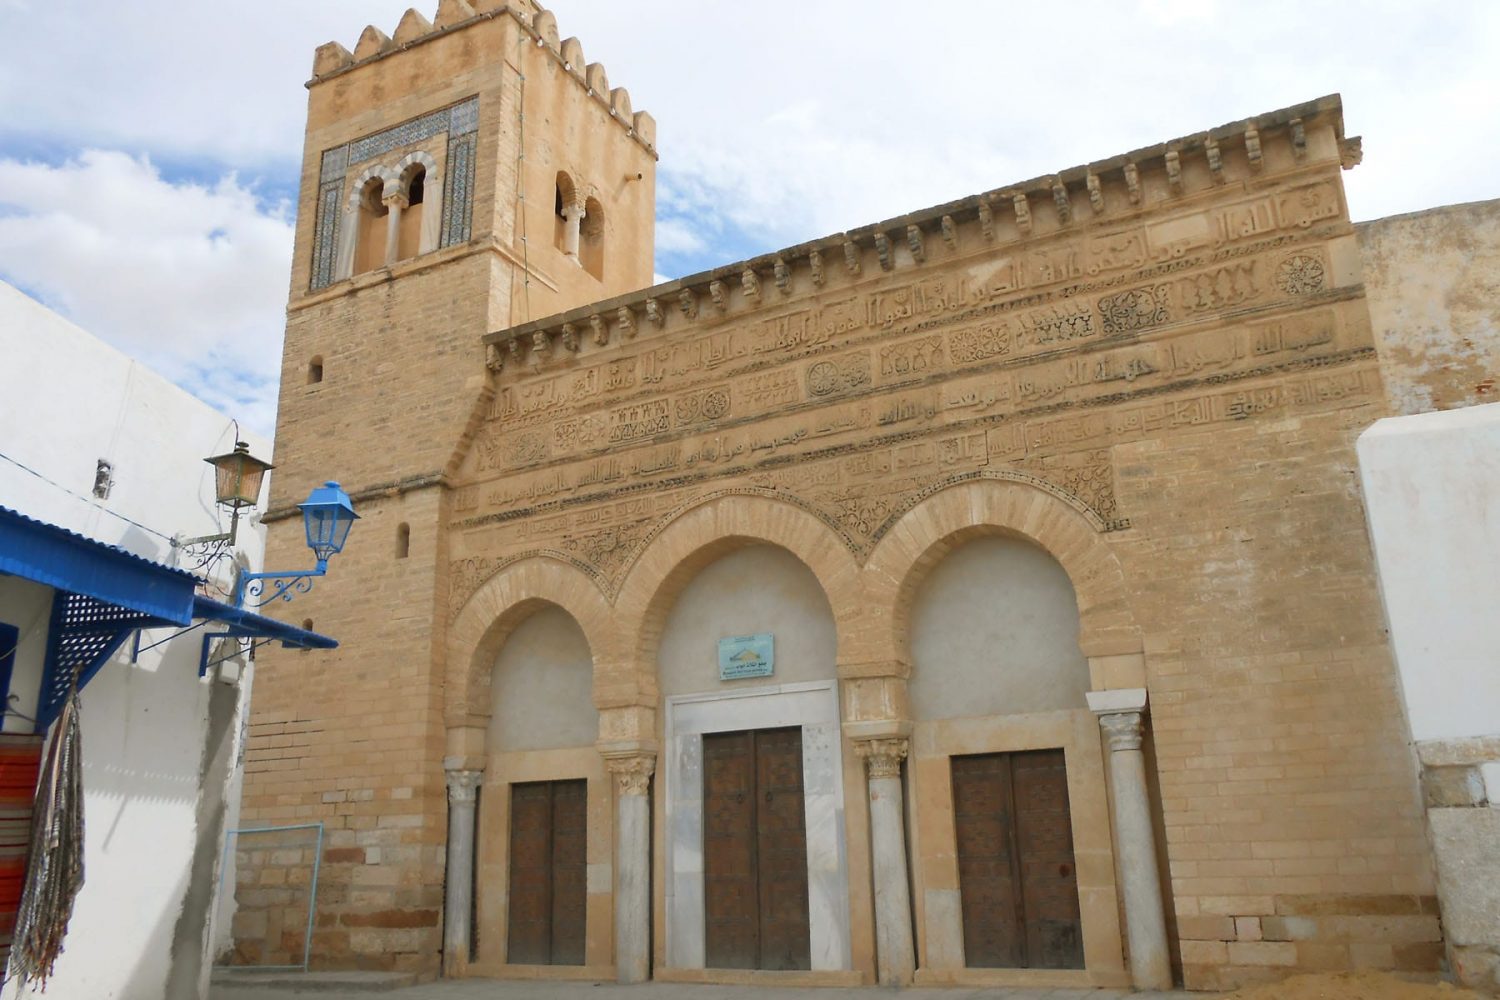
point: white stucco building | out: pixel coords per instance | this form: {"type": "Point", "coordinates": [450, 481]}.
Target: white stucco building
{"type": "Point", "coordinates": [1432, 493]}
{"type": "Point", "coordinates": [94, 443]}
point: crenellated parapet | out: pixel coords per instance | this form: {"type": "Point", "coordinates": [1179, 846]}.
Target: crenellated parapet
{"type": "Point", "coordinates": [1105, 198]}
{"type": "Point", "coordinates": [332, 59]}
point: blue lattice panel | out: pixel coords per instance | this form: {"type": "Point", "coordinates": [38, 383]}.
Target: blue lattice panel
{"type": "Point", "coordinates": [84, 634]}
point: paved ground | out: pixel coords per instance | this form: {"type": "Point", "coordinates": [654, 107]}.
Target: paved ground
{"type": "Point", "coordinates": [313, 988]}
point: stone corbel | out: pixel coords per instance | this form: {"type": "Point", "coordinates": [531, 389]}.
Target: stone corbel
{"type": "Point", "coordinates": [1215, 159]}
{"type": "Point", "coordinates": [513, 348]}
{"type": "Point", "coordinates": [570, 338]}
{"type": "Point", "coordinates": [720, 296]}
{"type": "Point", "coordinates": [986, 220]}
{"type": "Point", "coordinates": [1023, 212]}
{"type": "Point", "coordinates": [1173, 161]}
{"type": "Point", "coordinates": [883, 251]}
{"type": "Point", "coordinates": [751, 285]}
{"type": "Point", "coordinates": [687, 301]}
{"type": "Point", "coordinates": [1299, 138]}
{"type": "Point", "coordinates": [915, 245]}
{"type": "Point", "coordinates": [950, 233]}
{"type": "Point", "coordinates": [625, 319]}
{"type": "Point", "coordinates": [1096, 193]}
{"type": "Point", "coordinates": [1133, 182]}
{"type": "Point", "coordinates": [815, 266]}
{"type": "Point", "coordinates": [1252, 147]}
{"type": "Point", "coordinates": [1060, 199]}
{"type": "Point", "coordinates": [600, 326]}
{"type": "Point", "coordinates": [654, 313]}
{"type": "Point", "coordinates": [541, 345]}
{"type": "Point", "coordinates": [494, 358]}
{"type": "Point", "coordinates": [851, 258]}
{"type": "Point", "coordinates": [783, 276]}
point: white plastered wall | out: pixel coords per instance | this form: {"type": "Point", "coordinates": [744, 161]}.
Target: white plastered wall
{"type": "Point", "coordinates": [1432, 496]}
{"type": "Point", "coordinates": [66, 401]}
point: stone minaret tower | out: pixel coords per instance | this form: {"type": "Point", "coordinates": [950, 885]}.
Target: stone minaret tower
{"type": "Point", "coordinates": [461, 176]}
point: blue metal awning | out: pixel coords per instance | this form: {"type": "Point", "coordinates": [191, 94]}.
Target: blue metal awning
{"type": "Point", "coordinates": [244, 624]}
{"type": "Point", "coordinates": [66, 560]}
{"type": "Point", "coordinates": [104, 593]}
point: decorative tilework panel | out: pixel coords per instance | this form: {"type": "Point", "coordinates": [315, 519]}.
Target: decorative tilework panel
{"type": "Point", "coordinates": [460, 121]}
{"type": "Point", "coordinates": [326, 234]}
{"type": "Point", "coordinates": [458, 193]}
{"type": "Point", "coordinates": [335, 164]}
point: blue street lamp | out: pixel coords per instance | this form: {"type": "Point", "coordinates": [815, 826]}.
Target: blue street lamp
{"type": "Point", "coordinates": [327, 516]}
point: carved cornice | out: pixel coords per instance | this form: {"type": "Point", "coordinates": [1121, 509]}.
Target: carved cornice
{"type": "Point", "coordinates": [463, 786]}
{"type": "Point", "coordinates": [1122, 730]}
{"type": "Point", "coordinates": [883, 756]}
{"type": "Point", "coordinates": [1110, 187]}
{"type": "Point", "coordinates": [632, 774]}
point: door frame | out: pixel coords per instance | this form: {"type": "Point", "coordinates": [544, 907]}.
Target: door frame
{"type": "Point", "coordinates": [812, 705]}
{"type": "Point", "coordinates": [939, 925]}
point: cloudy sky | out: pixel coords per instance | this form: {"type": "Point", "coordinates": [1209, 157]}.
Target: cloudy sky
{"type": "Point", "coordinates": [149, 150]}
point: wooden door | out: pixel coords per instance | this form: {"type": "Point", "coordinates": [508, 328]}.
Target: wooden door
{"type": "Point", "coordinates": [1017, 884]}
{"type": "Point", "coordinates": [755, 851]}
{"type": "Point", "coordinates": [548, 873]}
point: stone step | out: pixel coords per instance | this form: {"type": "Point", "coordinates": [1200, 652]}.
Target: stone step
{"type": "Point", "coordinates": [313, 982]}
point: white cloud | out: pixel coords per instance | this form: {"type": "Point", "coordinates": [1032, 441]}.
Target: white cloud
{"type": "Point", "coordinates": [188, 278]}
{"type": "Point", "coordinates": [772, 130]}
{"type": "Point", "coordinates": [674, 236]}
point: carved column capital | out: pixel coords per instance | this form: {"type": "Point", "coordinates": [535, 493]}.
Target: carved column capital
{"type": "Point", "coordinates": [396, 201]}
{"type": "Point", "coordinates": [632, 774]}
{"type": "Point", "coordinates": [883, 756]}
{"type": "Point", "coordinates": [463, 785]}
{"type": "Point", "coordinates": [1122, 730]}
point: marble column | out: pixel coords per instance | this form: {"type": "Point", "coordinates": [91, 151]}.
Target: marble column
{"type": "Point", "coordinates": [572, 214]}
{"type": "Point", "coordinates": [463, 788]}
{"type": "Point", "coordinates": [1121, 717]}
{"type": "Point", "coordinates": [895, 955]}
{"type": "Point", "coordinates": [632, 866]}
{"type": "Point", "coordinates": [395, 205]}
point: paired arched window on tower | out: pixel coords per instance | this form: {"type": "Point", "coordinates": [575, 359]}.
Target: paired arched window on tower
{"type": "Point", "coordinates": [393, 214]}
{"type": "Point", "coordinates": [413, 187]}
{"type": "Point", "coordinates": [371, 229]}
{"type": "Point", "coordinates": [578, 226]}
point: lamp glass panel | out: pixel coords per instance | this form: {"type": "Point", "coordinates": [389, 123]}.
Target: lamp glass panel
{"type": "Point", "coordinates": [327, 528]}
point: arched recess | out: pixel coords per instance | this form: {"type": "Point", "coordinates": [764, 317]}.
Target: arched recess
{"type": "Point", "coordinates": [948, 518]}
{"type": "Point", "coordinates": [994, 631]}
{"type": "Point", "coordinates": [699, 535]}
{"type": "Point", "coordinates": [364, 210]}
{"type": "Point", "coordinates": [489, 617]}
{"type": "Point", "coordinates": [420, 180]}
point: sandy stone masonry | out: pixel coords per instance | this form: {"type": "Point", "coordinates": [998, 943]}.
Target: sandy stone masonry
{"type": "Point", "coordinates": [1152, 367]}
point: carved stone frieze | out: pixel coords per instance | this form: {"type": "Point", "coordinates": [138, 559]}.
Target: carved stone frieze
{"type": "Point", "coordinates": [1300, 274]}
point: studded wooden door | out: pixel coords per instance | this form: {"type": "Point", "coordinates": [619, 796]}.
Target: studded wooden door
{"type": "Point", "coordinates": [754, 851]}
{"type": "Point", "coordinates": [1017, 884]}
{"type": "Point", "coordinates": [548, 873]}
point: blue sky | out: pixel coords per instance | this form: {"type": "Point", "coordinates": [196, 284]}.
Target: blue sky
{"type": "Point", "coordinates": [149, 151]}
